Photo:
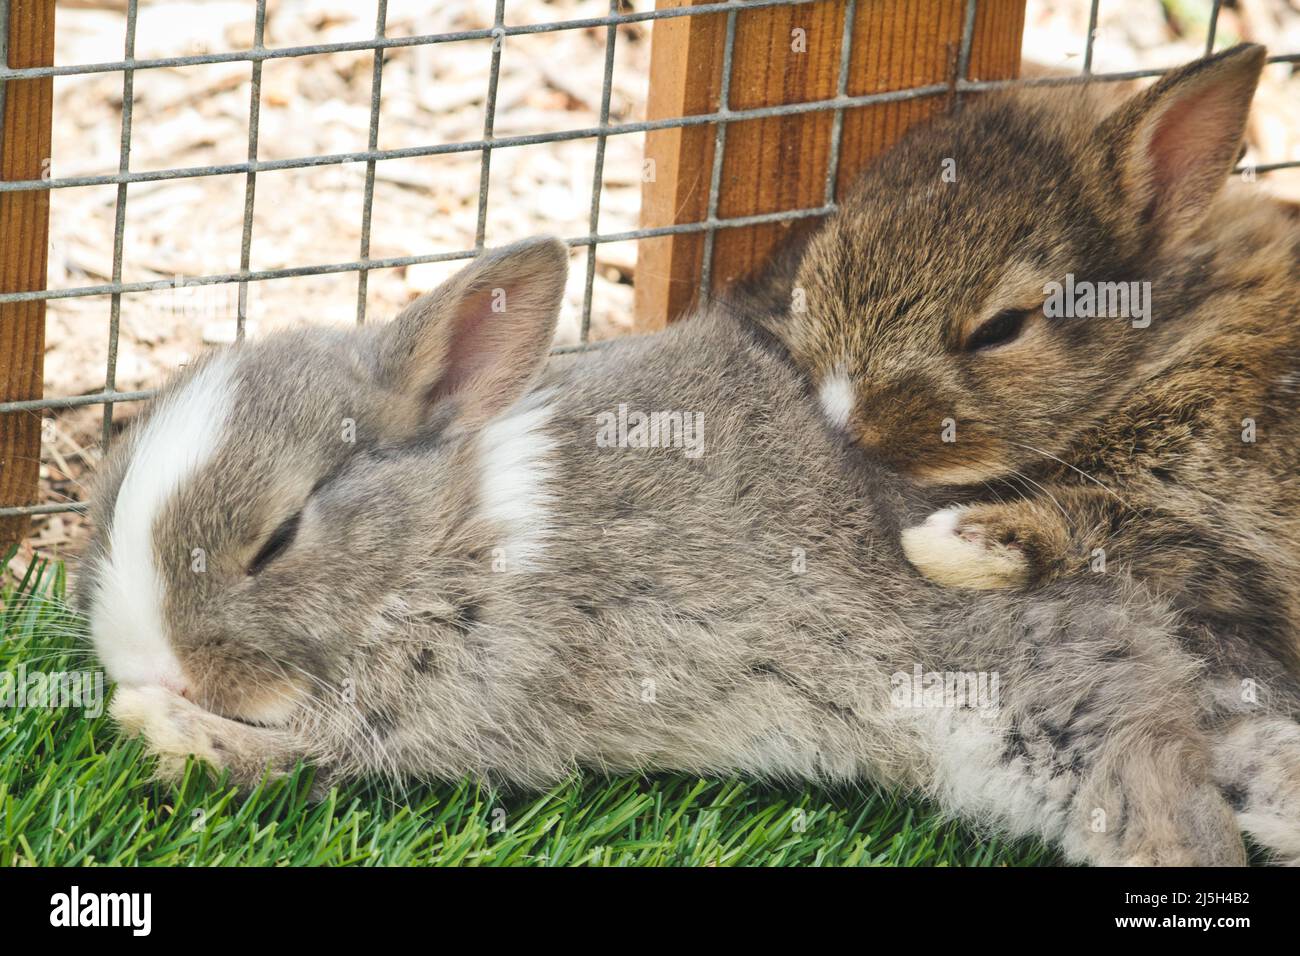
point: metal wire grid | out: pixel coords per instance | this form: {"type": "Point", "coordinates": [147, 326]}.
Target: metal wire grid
{"type": "Point", "coordinates": [498, 33]}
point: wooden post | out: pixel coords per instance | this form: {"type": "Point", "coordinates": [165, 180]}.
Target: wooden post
{"type": "Point", "coordinates": [24, 245]}
{"type": "Point", "coordinates": [787, 55]}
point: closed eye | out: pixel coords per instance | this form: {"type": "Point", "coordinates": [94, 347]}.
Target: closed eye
{"type": "Point", "coordinates": [1002, 328]}
{"type": "Point", "coordinates": [276, 544]}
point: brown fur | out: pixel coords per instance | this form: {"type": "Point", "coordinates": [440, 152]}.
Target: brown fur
{"type": "Point", "coordinates": [1083, 438]}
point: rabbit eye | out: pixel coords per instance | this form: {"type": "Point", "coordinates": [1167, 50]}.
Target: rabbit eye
{"type": "Point", "coordinates": [275, 545]}
{"type": "Point", "coordinates": [1000, 329]}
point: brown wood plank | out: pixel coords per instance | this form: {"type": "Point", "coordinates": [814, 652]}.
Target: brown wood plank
{"type": "Point", "coordinates": [24, 245]}
{"type": "Point", "coordinates": [780, 163]}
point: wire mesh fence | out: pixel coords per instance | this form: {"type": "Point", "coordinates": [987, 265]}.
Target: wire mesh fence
{"type": "Point", "coordinates": [500, 33]}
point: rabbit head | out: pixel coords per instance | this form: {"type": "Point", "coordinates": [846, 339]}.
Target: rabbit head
{"type": "Point", "coordinates": [242, 537]}
{"type": "Point", "coordinates": [922, 310]}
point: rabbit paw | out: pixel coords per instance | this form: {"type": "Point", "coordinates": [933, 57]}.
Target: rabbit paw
{"type": "Point", "coordinates": [168, 723]}
{"type": "Point", "coordinates": [974, 547]}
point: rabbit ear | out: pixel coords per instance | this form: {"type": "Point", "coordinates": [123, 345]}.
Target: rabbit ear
{"type": "Point", "coordinates": [481, 337]}
{"type": "Point", "coordinates": [1171, 147]}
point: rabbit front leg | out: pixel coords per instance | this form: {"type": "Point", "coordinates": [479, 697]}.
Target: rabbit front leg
{"type": "Point", "coordinates": [175, 728]}
{"type": "Point", "coordinates": [1013, 544]}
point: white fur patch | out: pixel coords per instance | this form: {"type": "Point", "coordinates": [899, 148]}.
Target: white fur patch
{"type": "Point", "coordinates": [513, 483]}
{"type": "Point", "coordinates": [836, 397]}
{"type": "Point", "coordinates": [959, 559]}
{"type": "Point", "coordinates": [126, 622]}
{"type": "Point", "coordinates": [972, 778]}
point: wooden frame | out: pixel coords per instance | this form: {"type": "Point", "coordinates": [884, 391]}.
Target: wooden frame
{"type": "Point", "coordinates": [24, 247]}
{"type": "Point", "coordinates": [779, 163]}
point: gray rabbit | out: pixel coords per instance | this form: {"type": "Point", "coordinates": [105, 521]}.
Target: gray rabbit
{"type": "Point", "coordinates": [416, 550]}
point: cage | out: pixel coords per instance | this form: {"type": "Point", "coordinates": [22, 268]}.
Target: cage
{"type": "Point", "coordinates": [692, 137]}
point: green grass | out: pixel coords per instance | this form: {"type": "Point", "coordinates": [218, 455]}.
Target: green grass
{"type": "Point", "coordinates": [73, 792]}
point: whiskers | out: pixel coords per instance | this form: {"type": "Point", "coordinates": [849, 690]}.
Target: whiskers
{"type": "Point", "coordinates": [1079, 471]}
{"type": "Point", "coordinates": [1026, 480]}
{"type": "Point", "coordinates": [327, 715]}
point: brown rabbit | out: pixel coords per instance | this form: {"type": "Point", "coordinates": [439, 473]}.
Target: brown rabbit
{"type": "Point", "coordinates": [1161, 438]}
